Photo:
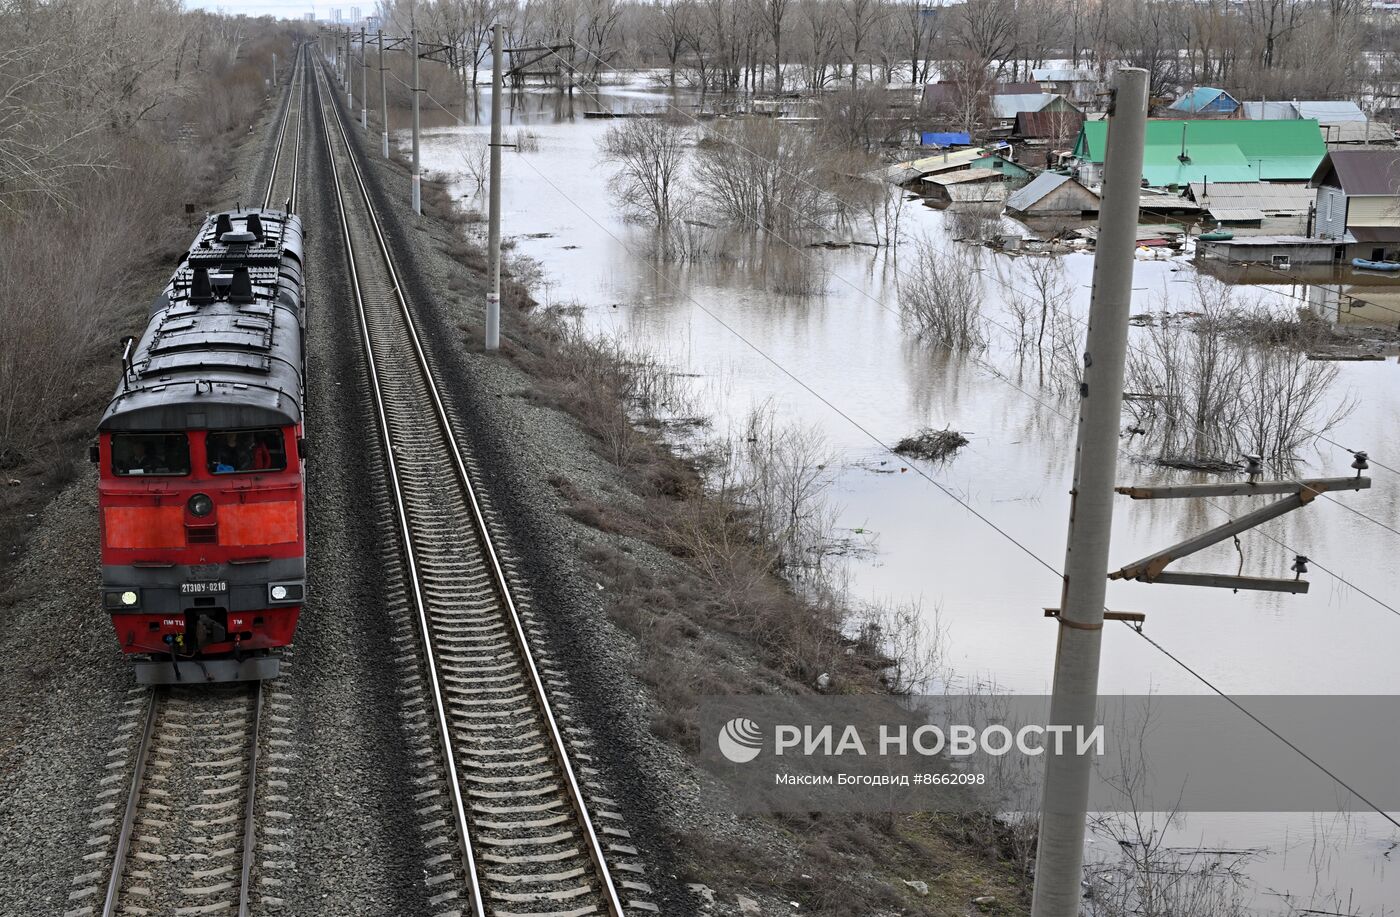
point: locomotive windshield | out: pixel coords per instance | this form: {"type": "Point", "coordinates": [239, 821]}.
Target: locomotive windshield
{"type": "Point", "coordinates": [234, 451]}
{"type": "Point", "coordinates": [150, 453]}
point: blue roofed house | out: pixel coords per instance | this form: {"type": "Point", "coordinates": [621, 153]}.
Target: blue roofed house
{"type": "Point", "coordinates": [1206, 102]}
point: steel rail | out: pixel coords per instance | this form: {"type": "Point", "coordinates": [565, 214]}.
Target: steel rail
{"type": "Point", "coordinates": [298, 73]}
{"type": "Point", "coordinates": [573, 789]}
{"type": "Point", "coordinates": [133, 800]}
{"type": "Point", "coordinates": [250, 836]}
{"type": "Point", "coordinates": [406, 535]}
{"type": "Point", "coordinates": [133, 804]}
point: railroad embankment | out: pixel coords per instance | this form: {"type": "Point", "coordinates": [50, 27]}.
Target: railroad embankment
{"type": "Point", "coordinates": [665, 589]}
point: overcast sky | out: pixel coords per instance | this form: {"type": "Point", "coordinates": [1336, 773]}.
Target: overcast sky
{"type": "Point", "coordinates": [287, 9]}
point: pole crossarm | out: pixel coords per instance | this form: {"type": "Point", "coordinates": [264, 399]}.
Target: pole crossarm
{"type": "Point", "coordinates": [449, 53]}
{"type": "Point", "coordinates": [1151, 569]}
{"type": "Point", "coordinates": [545, 51]}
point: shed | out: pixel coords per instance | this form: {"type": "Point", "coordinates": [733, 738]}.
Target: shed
{"type": "Point", "coordinates": [1053, 194]}
{"type": "Point", "coordinates": [998, 163]}
{"type": "Point", "coordinates": [1272, 250]}
{"type": "Point", "coordinates": [1206, 100]}
{"type": "Point", "coordinates": [967, 185]}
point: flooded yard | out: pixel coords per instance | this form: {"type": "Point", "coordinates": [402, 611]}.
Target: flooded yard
{"type": "Point", "coordinates": [966, 538]}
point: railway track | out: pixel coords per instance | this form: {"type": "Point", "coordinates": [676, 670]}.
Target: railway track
{"type": "Point", "coordinates": [186, 841]}
{"type": "Point", "coordinates": [282, 180]}
{"type": "Point", "coordinates": [528, 844]}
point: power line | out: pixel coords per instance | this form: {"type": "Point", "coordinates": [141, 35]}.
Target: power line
{"type": "Point", "coordinates": [992, 370]}
{"type": "Point", "coordinates": [699, 124]}
{"type": "Point", "coordinates": [966, 506]}
{"type": "Point", "coordinates": [1006, 535]}
{"type": "Point", "coordinates": [1003, 283]}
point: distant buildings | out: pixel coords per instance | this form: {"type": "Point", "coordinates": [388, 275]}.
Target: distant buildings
{"type": "Point", "coordinates": [1206, 102]}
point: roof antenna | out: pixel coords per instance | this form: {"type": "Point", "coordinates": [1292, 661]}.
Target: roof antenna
{"type": "Point", "coordinates": [1183, 157]}
{"type": "Point", "coordinates": [201, 290]}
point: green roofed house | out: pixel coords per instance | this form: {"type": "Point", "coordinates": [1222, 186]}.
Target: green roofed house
{"type": "Point", "coordinates": [1181, 152]}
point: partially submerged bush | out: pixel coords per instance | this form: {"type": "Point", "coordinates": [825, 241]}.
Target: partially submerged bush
{"type": "Point", "coordinates": [935, 445]}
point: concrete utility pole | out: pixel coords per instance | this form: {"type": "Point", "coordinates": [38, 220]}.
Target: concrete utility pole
{"type": "Point", "coordinates": [274, 68]}
{"type": "Point", "coordinates": [493, 297]}
{"type": "Point", "coordinates": [349, 83]}
{"type": "Point", "coordinates": [1060, 856]}
{"type": "Point", "coordinates": [383, 98]}
{"type": "Point", "coordinates": [417, 129]}
{"type": "Point", "coordinates": [364, 81]}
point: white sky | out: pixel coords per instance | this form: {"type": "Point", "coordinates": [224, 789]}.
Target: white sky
{"type": "Point", "coordinates": [285, 9]}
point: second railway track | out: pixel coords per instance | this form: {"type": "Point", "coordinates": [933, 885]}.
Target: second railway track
{"type": "Point", "coordinates": [528, 844]}
{"type": "Point", "coordinates": [282, 184]}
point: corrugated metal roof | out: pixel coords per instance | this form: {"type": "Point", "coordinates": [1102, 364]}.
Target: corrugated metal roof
{"type": "Point", "coordinates": [1361, 171]}
{"type": "Point", "coordinates": [1217, 195]}
{"type": "Point", "coordinates": [1325, 111]}
{"type": "Point", "coordinates": [908, 171]}
{"type": "Point", "coordinates": [1048, 124]}
{"type": "Point", "coordinates": [1358, 132]}
{"type": "Point", "coordinates": [1008, 105]}
{"type": "Point", "coordinates": [1263, 150]}
{"type": "Point", "coordinates": [1027, 195]}
{"type": "Point", "coordinates": [976, 192]}
{"type": "Point", "coordinates": [965, 175]}
{"type": "Point", "coordinates": [1235, 214]}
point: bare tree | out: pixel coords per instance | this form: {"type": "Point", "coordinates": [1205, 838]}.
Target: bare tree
{"type": "Point", "coordinates": [650, 155]}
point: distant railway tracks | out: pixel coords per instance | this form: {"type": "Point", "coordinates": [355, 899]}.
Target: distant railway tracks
{"type": "Point", "coordinates": [527, 843]}
{"type": "Point", "coordinates": [282, 178]}
{"type": "Point", "coordinates": [185, 844]}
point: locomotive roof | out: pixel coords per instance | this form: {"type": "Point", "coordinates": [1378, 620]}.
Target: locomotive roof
{"type": "Point", "coordinates": [222, 348]}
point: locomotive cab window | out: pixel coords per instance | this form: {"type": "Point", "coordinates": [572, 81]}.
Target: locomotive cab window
{"type": "Point", "coordinates": [150, 453]}
{"type": "Point", "coordinates": [237, 451]}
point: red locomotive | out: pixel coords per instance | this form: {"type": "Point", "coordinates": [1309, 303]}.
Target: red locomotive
{"type": "Point", "coordinates": [200, 452]}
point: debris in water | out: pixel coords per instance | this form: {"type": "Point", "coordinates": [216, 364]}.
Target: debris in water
{"type": "Point", "coordinates": [931, 444]}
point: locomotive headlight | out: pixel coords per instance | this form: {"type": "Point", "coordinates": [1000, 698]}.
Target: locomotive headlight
{"type": "Point", "coordinates": [201, 505]}
{"type": "Point", "coordinates": [129, 597]}
{"type": "Point", "coordinates": [279, 593]}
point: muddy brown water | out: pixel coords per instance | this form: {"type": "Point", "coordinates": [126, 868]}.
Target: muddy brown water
{"type": "Point", "coordinates": [843, 363]}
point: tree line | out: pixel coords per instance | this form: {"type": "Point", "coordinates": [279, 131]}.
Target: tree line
{"type": "Point", "coordinates": [1274, 48]}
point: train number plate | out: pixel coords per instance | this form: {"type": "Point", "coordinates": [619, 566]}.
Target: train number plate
{"type": "Point", "coordinates": [203, 588]}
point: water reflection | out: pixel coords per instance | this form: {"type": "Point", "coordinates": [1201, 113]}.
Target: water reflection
{"type": "Point", "coordinates": [850, 346]}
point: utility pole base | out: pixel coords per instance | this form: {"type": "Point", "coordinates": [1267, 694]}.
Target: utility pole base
{"type": "Point", "coordinates": [417, 194]}
{"type": "Point", "coordinates": [493, 321]}
{"type": "Point", "coordinates": [385, 138]}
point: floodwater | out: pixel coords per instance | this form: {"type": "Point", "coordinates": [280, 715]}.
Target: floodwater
{"type": "Point", "coordinates": [843, 363]}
